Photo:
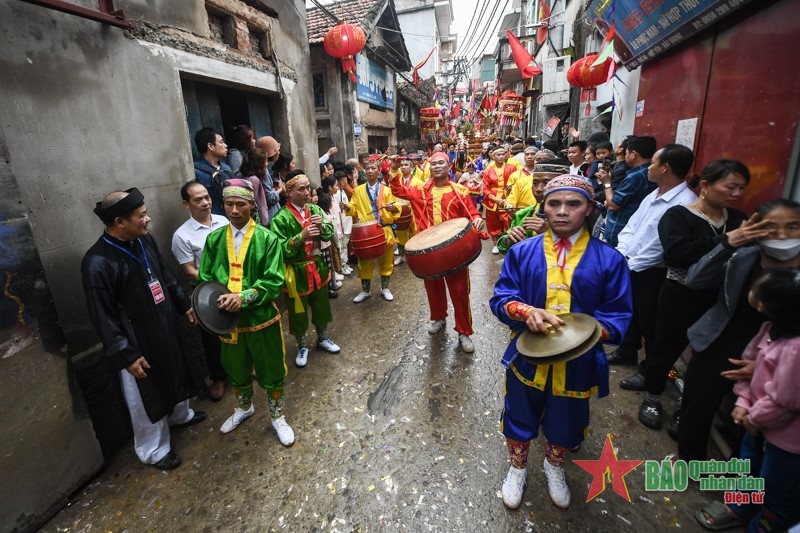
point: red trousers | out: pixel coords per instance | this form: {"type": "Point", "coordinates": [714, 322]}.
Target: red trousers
{"type": "Point", "coordinates": [458, 285]}
{"type": "Point", "coordinates": [497, 222]}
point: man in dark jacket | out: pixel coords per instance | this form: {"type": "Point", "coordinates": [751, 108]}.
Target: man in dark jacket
{"type": "Point", "coordinates": [135, 303]}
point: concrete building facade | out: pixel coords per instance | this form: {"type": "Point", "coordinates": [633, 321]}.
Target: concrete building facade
{"type": "Point", "coordinates": [90, 108]}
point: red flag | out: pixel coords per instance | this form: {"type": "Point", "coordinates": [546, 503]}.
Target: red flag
{"type": "Point", "coordinates": [456, 110]}
{"type": "Point", "coordinates": [415, 71]}
{"type": "Point", "coordinates": [494, 101]}
{"type": "Point", "coordinates": [544, 20]}
{"type": "Point", "coordinates": [521, 57]}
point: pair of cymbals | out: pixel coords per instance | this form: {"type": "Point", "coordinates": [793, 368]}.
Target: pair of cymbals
{"type": "Point", "coordinates": [206, 309]}
{"type": "Point", "coordinates": [577, 336]}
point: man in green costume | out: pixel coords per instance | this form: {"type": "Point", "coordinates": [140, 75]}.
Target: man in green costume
{"type": "Point", "coordinates": [247, 258]}
{"type": "Point", "coordinates": [301, 225]}
{"type": "Point", "coordinates": [530, 221]}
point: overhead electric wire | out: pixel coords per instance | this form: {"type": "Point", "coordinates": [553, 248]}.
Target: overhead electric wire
{"type": "Point", "coordinates": [464, 45]}
{"type": "Point", "coordinates": [487, 37]}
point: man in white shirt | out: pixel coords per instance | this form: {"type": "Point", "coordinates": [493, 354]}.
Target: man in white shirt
{"type": "Point", "coordinates": [640, 244]}
{"type": "Point", "coordinates": [187, 247]}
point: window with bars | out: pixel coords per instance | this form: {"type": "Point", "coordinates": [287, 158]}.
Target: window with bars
{"type": "Point", "coordinates": [318, 79]}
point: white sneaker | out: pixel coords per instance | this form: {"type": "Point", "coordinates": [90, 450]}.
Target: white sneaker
{"type": "Point", "coordinates": [495, 250]}
{"type": "Point", "coordinates": [557, 484]}
{"type": "Point", "coordinates": [302, 358]}
{"type": "Point", "coordinates": [284, 431]}
{"type": "Point", "coordinates": [399, 260]}
{"type": "Point", "coordinates": [336, 285]}
{"type": "Point", "coordinates": [466, 343]}
{"type": "Point", "coordinates": [328, 345]}
{"type": "Point", "coordinates": [514, 487]}
{"type": "Point", "coordinates": [435, 326]}
{"type": "Point", "coordinates": [361, 296]}
{"type": "Point", "coordinates": [347, 270]}
{"type": "Point", "coordinates": [387, 295]}
{"type": "Point", "coordinates": [238, 416]}
{"type": "Point", "coordinates": [396, 251]}
{"type": "Point", "coordinates": [337, 276]}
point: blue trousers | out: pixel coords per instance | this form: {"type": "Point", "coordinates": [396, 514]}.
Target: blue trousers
{"type": "Point", "coordinates": [781, 473]}
{"type": "Point", "coordinates": [563, 420]}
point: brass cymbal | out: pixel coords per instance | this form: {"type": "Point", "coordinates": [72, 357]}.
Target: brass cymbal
{"type": "Point", "coordinates": [209, 315]}
{"type": "Point", "coordinates": [577, 329]}
{"type": "Point", "coordinates": [574, 353]}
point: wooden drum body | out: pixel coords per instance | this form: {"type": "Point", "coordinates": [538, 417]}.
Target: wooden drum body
{"type": "Point", "coordinates": [406, 217]}
{"type": "Point", "coordinates": [368, 240]}
{"type": "Point", "coordinates": [443, 249]}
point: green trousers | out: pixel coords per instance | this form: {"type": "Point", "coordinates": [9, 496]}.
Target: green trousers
{"type": "Point", "coordinates": [262, 351]}
{"type": "Point", "coordinates": [318, 304]}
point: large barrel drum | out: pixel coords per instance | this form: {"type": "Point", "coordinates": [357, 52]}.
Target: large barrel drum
{"type": "Point", "coordinates": [406, 217]}
{"type": "Point", "coordinates": [443, 249]}
{"type": "Point", "coordinates": [368, 240]}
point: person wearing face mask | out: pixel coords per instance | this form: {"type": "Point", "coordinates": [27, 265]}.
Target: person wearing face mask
{"type": "Point", "coordinates": [725, 329]}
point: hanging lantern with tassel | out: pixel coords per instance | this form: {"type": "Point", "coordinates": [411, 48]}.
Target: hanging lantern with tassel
{"type": "Point", "coordinates": [344, 41]}
{"type": "Point", "coordinates": [583, 75]}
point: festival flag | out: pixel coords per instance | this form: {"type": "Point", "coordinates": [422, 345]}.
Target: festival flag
{"type": "Point", "coordinates": [544, 20]}
{"type": "Point", "coordinates": [606, 47]}
{"type": "Point", "coordinates": [486, 106]}
{"type": "Point", "coordinates": [456, 110]}
{"type": "Point", "coordinates": [415, 71]}
{"type": "Point", "coordinates": [521, 57]}
{"type": "Point", "coordinates": [436, 103]}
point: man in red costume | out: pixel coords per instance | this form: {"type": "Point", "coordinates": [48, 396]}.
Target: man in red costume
{"type": "Point", "coordinates": [495, 188]}
{"type": "Point", "coordinates": [432, 203]}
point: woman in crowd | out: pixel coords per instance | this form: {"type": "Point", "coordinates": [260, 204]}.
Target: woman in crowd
{"type": "Point", "coordinates": [725, 329]}
{"type": "Point", "coordinates": [687, 233]}
{"type": "Point", "coordinates": [253, 169]}
{"type": "Point", "coordinates": [242, 139]}
{"type": "Point", "coordinates": [768, 408]}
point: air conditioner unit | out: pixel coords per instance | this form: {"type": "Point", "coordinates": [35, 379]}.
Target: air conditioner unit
{"type": "Point", "coordinates": [554, 75]}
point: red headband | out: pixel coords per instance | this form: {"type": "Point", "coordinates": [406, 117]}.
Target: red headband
{"type": "Point", "coordinates": [439, 155]}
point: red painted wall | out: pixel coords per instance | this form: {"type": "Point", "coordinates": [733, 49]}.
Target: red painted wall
{"type": "Point", "coordinates": [743, 85]}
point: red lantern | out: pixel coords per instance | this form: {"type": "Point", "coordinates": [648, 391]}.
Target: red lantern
{"type": "Point", "coordinates": [587, 77]}
{"type": "Point", "coordinates": [343, 41]}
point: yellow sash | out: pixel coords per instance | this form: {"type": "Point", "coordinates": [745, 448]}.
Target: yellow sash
{"type": "Point", "coordinates": [291, 287]}
{"type": "Point", "coordinates": [558, 301]}
{"type": "Point", "coordinates": [236, 266]}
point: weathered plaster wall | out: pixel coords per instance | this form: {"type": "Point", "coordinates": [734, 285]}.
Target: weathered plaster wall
{"type": "Point", "coordinates": [89, 109]}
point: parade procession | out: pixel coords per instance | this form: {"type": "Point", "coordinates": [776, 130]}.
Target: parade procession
{"type": "Point", "coordinates": [400, 265]}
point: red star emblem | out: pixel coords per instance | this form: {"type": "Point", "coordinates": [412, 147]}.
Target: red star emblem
{"type": "Point", "coordinates": [608, 469]}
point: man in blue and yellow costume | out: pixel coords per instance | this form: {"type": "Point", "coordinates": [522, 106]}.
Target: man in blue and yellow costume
{"type": "Point", "coordinates": [246, 257]}
{"type": "Point", "coordinates": [563, 270]}
{"type": "Point", "coordinates": [300, 226]}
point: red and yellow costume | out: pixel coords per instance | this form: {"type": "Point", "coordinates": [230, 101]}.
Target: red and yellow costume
{"type": "Point", "coordinates": [433, 205]}
{"type": "Point", "coordinates": [495, 180]}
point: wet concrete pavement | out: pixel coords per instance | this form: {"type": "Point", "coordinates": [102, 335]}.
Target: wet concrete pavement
{"type": "Point", "coordinates": [399, 432]}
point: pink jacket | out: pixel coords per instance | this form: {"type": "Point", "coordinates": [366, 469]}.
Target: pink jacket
{"type": "Point", "coordinates": [771, 396]}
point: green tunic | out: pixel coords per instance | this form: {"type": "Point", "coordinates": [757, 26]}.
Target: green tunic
{"type": "Point", "coordinates": [519, 217]}
{"type": "Point", "coordinates": [310, 271]}
{"type": "Point", "coordinates": [262, 280]}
